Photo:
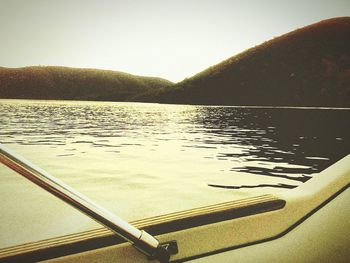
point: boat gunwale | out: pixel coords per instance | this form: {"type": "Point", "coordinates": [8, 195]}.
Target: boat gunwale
{"type": "Point", "coordinates": [243, 230]}
{"type": "Point", "coordinates": [103, 237]}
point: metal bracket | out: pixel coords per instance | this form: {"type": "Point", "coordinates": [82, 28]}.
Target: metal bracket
{"type": "Point", "coordinates": [164, 251]}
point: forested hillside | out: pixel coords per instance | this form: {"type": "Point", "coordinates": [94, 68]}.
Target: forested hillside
{"type": "Point", "coordinates": [307, 67]}
{"type": "Point", "coordinates": [63, 83]}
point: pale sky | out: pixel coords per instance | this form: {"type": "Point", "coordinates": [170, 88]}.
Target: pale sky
{"type": "Point", "coordinates": [170, 39]}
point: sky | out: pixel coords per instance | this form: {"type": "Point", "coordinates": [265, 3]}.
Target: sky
{"type": "Point", "coordinates": [172, 39]}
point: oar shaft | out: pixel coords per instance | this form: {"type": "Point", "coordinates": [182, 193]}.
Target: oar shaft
{"type": "Point", "coordinates": [141, 239]}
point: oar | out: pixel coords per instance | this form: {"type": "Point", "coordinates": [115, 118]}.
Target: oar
{"type": "Point", "coordinates": [143, 241]}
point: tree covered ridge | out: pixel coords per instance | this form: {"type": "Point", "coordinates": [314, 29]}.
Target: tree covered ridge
{"type": "Point", "coordinates": [64, 83]}
{"type": "Point", "coordinates": [306, 67]}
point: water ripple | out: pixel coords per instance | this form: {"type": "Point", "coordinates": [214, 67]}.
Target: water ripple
{"type": "Point", "coordinates": [292, 144]}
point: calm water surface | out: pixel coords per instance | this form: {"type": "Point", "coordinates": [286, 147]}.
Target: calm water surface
{"type": "Point", "coordinates": [141, 160]}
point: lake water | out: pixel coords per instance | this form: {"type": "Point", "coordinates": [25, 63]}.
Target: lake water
{"type": "Point", "coordinates": [141, 160]}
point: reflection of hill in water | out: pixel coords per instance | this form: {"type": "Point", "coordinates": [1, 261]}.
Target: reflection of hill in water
{"type": "Point", "coordinates": [300, 142]}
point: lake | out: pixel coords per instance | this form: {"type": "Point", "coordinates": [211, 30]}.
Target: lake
{"type": "Point", "coordinates": [141, 160]}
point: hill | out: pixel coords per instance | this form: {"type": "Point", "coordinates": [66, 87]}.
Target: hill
{"type": "Point", "coordinates": [307, 67]}
{"type": "Point", "coordinates": [64, 83]}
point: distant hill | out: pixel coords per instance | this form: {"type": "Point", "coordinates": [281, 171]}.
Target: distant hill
{"type": "Point", "coordinates": [64, 83]}
{"type": "Point", "coordinates": [307, 67]}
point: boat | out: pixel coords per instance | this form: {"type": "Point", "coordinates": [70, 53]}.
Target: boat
{"type": "Point", "coordinates": [310, 223]}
